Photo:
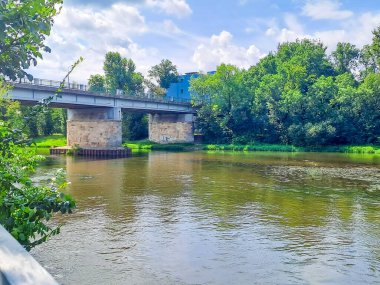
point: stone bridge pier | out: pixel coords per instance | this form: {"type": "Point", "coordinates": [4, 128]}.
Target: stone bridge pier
{"type": "Point", "coordinates": [171, 128]}
{"type": "Point", "coordinates": [94, 127]}
{"type": "Point", "coordinates": [102, 127]}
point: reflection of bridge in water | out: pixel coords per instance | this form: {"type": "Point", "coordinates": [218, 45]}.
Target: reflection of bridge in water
{"type": "Point", "coordinates": [94, 119]}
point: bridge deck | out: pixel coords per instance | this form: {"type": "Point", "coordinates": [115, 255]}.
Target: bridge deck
{"type": "Point", "coordinates": [73, 98]}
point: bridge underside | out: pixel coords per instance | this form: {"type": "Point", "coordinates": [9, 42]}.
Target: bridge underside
{"type": "Point", "coordinates": [95, 120]}
{"type": "Point", "coordinates": [102, 128]}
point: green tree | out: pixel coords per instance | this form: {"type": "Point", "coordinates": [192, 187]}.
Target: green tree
{"type": "Point", "coordinates": [120, 74]}
{"type": "Point", "coordinates": [96, 83]}
{"type": "Point", "coordinates": [164, 73]}
{"type": "Point", "coordinates": [345, 58]}
{"type": "Point", "coordinates": [367, 103]}
{"type": "Point", "coordinates": [24, 26]}
{"type": "Point", "coordinates": [24, 206]}
{"type": "Point", "coordinates": [135, 126]}
{"type": "Point", "coordinates": [224, 107]}
{"type": "Point", "coordinates": [370, 55]}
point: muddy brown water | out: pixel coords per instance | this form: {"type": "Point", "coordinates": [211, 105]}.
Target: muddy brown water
{"type": "Point", "coordinates": [218, 218]}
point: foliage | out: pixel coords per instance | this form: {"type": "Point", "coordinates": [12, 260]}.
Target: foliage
{"type": "Point", "coordinates": [164, 73]}
{"type": "Point", "coordinates": [223, 108]}
{"type": "Point", "coordinates": [45, 122]}
{"type": "Point", "coordinates": [345, 58]}
{"type": "Point", "coordinates": [135, 126]}
{"type": "Point", "coordinates": [370, 149]}
{"type": "Point", "coordinates": [154, 89]}
{"type": "Point", "coordinates": [295, 96]}
{"type": "Point", "coordinates": [120, 74]}
{"type": "Point", "coordinates": [97, 83]}
{"type": "Point", "coordinates": [24, 206]}
{"type": "Point", "coordinates": [23, 27]}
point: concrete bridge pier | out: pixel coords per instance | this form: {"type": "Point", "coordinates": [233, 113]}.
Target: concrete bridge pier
{"type": "Point", "coordinates": [94, 127]}
{"type": "Point", "coordinates": [171, 128]}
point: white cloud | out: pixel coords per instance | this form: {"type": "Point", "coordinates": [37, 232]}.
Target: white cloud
{"type": "Point", "coordinates": [171, 28]}
{"type": "Point", "coordinates": [356, 30]}
{"type": "Point", "coordinates": [325, 9]}
{"type": "Point", "coordinates": [178, 8]}
{"type": "Point", "coordinates": [293, 31]}
{"type": "Point", "coordinates": [91, 33]}
{"type": "Point", "coordinates": [292, 23]}
{"type": "Point", "coordinates": [220, 49]}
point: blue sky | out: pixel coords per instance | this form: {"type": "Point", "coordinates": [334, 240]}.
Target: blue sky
{"type": "Point", "coordinates": [197, 34]}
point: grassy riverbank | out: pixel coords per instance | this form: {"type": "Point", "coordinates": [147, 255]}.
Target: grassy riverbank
{"type": "Point", "coordinates": [55, 140]}
{"type": "Point", "coordinates": [147, 145]}
{"type": "Point", "coordinates": [60, 140]}
{"type": "Point", "coordinates": [290, 148]}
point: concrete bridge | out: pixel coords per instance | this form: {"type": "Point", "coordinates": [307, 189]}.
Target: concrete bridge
{"type": "Point", "coordinates": [94, 120]}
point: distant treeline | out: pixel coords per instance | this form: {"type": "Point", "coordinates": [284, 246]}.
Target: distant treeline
{"type": "Point", "coordinates": [297, 95]}
{"type": "Point", "coordinates": [45, 123]}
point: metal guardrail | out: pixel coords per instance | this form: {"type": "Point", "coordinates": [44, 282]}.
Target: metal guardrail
{"type": "Point", "coordinates": [84, 88]}
{"type": "Point", "coordinates": [17, 266]}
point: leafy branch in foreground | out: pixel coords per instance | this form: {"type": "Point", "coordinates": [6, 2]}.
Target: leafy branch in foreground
{"type": "Point", "coordinates": [24, 206]}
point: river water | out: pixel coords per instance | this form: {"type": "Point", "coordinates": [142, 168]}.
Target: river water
{"type": "Point", "coordinates": [218, 218]}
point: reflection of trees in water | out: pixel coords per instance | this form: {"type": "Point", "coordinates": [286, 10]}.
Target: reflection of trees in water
{"type": "Point", "coordinates": [306, 207]}
{"type": "Point", "coordinates": [303, 207]}
{"type": "Point", "coordinates": [105, 184]}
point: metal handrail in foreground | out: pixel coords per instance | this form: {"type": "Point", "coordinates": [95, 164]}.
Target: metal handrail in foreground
{"type": "Point", "coordinates": [17, 266]}
{"type": "Point", "coordinates": [84, 88]}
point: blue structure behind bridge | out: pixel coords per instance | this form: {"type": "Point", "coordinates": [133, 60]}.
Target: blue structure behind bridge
{"type": "Point", "coordinates": [180, 90]}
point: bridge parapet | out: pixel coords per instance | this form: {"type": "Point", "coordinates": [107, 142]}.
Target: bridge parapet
{"type": "Point", "coordinates": [77, 88]}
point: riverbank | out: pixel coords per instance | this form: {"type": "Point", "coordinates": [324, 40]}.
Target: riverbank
{"type": "Point", "coordinates": [60, 140]}
{"type": "Point", "coordinates": [147, 145]}
{"type": "Point", "coordinates": [56, 140]}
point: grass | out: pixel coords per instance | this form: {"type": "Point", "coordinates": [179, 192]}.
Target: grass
{"type": "Point", "coordinates": [371, 149]}
{"type": "Point", "coordinates": [253, 147]}
{"type": "Point", "coordinates": [55, 140]}
{"type": "Point", "coordinates": [148, 145]}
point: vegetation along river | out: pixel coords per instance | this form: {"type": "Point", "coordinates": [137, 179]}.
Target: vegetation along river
{"type": "Point", "coordinates": [219, 218]}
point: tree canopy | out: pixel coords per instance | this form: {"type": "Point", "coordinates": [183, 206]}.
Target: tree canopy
{"type": "Point", "coordinates": [24, 206]}
{"type": "Point", "coordinates": [24, 26]}
{"type": "Point", "coordinates": [164, 73]}
{"type": "Point", "coordinates": [296, 95]}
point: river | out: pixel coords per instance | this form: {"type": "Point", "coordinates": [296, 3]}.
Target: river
{"type": "Point", "coordinates": [218, 218]}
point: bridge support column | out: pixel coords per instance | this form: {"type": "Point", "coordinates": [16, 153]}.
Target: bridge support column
{"type": "Point", "coordinates": [171, 128]}
{"type": "Point", "coordinates": [94, 127]}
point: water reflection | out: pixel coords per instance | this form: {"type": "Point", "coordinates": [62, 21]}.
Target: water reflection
{"type": "Point", "coordinates": [220, 218]}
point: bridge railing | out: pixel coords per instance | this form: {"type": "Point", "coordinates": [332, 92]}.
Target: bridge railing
{"type": "Point", "coordinates": [82, 87]}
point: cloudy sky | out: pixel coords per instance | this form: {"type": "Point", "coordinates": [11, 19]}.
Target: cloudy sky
{"type": "Point", "coordinates": [196, 34]}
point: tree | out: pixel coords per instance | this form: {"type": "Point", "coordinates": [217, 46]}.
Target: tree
{"type": "Point", "coordinates": [120, 73]}
{"type": "Point", "coordinates": [135, 126]}
{"type": "Point", "coordinates": [24, 206]}
{"type": "Point", "coordinates": [224, 107]}
{"type": "Point", "coordinates": [345, 58]}
{"type": "Point", "coordinates": [164, 73]}
{"type": "Point", "coordinates": [96, 83]}
{"type": "Point", "coordinates": [24, 26]}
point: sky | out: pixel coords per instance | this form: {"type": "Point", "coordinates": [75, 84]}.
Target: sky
{"type": "Point", "coordinates": [196, 35]}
